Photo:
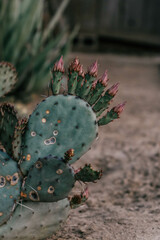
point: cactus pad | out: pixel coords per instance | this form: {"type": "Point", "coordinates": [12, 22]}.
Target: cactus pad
{"type": "Point", "coordinates": [87, 174]}
{"type": "Point", "coordinates": [35, 220]}
{"type": "Point", "coordinates": [17, 139]}
{"type": "Point", "coordinates": [50, 179]}
{"type": "Point", "coordinates": [8, 120]}
{"type": "Point", "coordinates": [9, 186]}
{"type": "Point", "coordinates": [8, 77]}
{"type": "Point", "coordinates": [58, 124]}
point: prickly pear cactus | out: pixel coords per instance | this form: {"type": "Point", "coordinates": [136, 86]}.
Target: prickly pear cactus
{"type": "Point", "coordinates": [55, 126]}
{"type": "Point", "coordinates": [36, 183]}
{"type": "Point", "coordinates": [37, 220]}
{"type": "Point", "coordinates": [52, 178]}
{"type": "Point", "coordinates": [17, 138]}
{"type": "Point", "coordinates": [8, 78]}
{"type": "Point", "coordinates": [10, 184]}
{"type": "Point", "coordinates": [8, 121]}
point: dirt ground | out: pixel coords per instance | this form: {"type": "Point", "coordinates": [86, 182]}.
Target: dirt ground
{"type": "Point", "coordinates": [125, 203]}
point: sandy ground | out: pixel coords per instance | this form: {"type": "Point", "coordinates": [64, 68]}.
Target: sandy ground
{"type": "Point", "coordinates": [125, 203]}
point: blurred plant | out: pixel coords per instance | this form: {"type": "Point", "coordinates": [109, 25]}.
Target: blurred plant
{"type": "Point", "coordinates": [28, 45]}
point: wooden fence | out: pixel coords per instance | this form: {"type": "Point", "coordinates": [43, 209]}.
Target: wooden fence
{"type": "Point", "coordinates": [135, 20]}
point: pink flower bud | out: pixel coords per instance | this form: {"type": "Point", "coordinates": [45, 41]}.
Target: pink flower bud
{"type": "Point", "coordinates": [93, 69]}
{"type": "Point", "coordinates": [119, 108]}
{"type": "Point", "coordinates": [81, 72]}
{"type": "Point", "coordinates": [76, 61]}
{"type": "Point", "coordinates": [104, 79]}
{"type": "Point", "coordinates": [113, 90]}
{"type": "Point", "coordinates": [75, 65]}
{"type": "Point", "coordinates": [85, 194]}
{"type": "Point", "coordinates": [59, 65]}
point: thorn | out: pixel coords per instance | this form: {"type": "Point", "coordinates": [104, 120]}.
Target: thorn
{"type": "Point", "coordinates": [25, 206]}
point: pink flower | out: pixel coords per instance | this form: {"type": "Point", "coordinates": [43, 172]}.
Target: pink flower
{"type": "Point", "coordinates": [113, 90]}
{"type": "Point", "coordinates": [104, 79]}
{"type": "Point", "coordinates": [93, 69]}
{"type": "Point", "coordinates": [75, 65]}
{"type": "Point", "coordinates": [81, 72]}
{"type": "Point", "coordinates": [119, 108]}
{"type": "Point", "coordinates": [59, 65]}
{"type": "Point", "coordinates": [76, 61]}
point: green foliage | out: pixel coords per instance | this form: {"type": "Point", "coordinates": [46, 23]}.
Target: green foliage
{"type": "Point", "coordinates": [26, 43]}
{"type": "Point", "coordinates": [87, 174]}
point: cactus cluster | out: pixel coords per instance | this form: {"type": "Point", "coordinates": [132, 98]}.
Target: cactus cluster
{"type": "Point", "coordinates": [36, 175]}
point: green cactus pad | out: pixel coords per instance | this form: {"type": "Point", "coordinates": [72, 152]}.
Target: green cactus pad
{"type": "Point", "coordinates": [103, 103]}
{"type": "Point", "coordinates": [96, 93]}
{"type": "Point", "coordinates": [109, 117]}
{"type": "Point", "coordinates": [8, 120]}
{"type": "Point", "coordinates": [87, 86]}
{"type": "Point", "coordinates": [56, 82]}
{"type": "Point", "coordinates": [87, 174]}
{"type": "Point", "coordinates": [8, 77]}
{"type": "Point", "coordinates": [9, 186]}
{"type": "Point", "coordinates": [80, 80]}
{"type": "Point", "coordinates": [35, 221]}
{"type": "Point", "coordinates": [72, 83]}
{"type": "Point", "coordinates": [58, 124]}
{"type": "Point", "coordinates": [73, 72]}
{"type": "Point", "coordinates": [48, 180]}
{"type": "Point", "coordinates": [17, 140]}
{"type": "Point", "coordinates": [77, 200]}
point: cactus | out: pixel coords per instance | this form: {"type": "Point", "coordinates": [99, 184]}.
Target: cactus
{"type": "Point", "coordinates": [58, 132]}
{"type": "Point", "coordinates": [17, 138]}
{"type": "Point", "coordinates": [52, 130]}
{"type": "Point", "coordinates": [51, 178]}
{"type": "Point", "coordinates": [8, 121]}
{"type": "Point", "coordinates": [37, 220]}
{"type": "Point", "coordinates": [8, 78]}
{"type": "Point", "coordinates": [10, 185]}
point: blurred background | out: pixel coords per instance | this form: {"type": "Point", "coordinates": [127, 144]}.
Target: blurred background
{"type": "Point", "coordinates": [34, 34]}
{"type": "Point", "coordinates": [116, 25]}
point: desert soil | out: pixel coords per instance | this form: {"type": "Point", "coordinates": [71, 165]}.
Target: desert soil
{"type": "Point", "coordinates": [125, 203]}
